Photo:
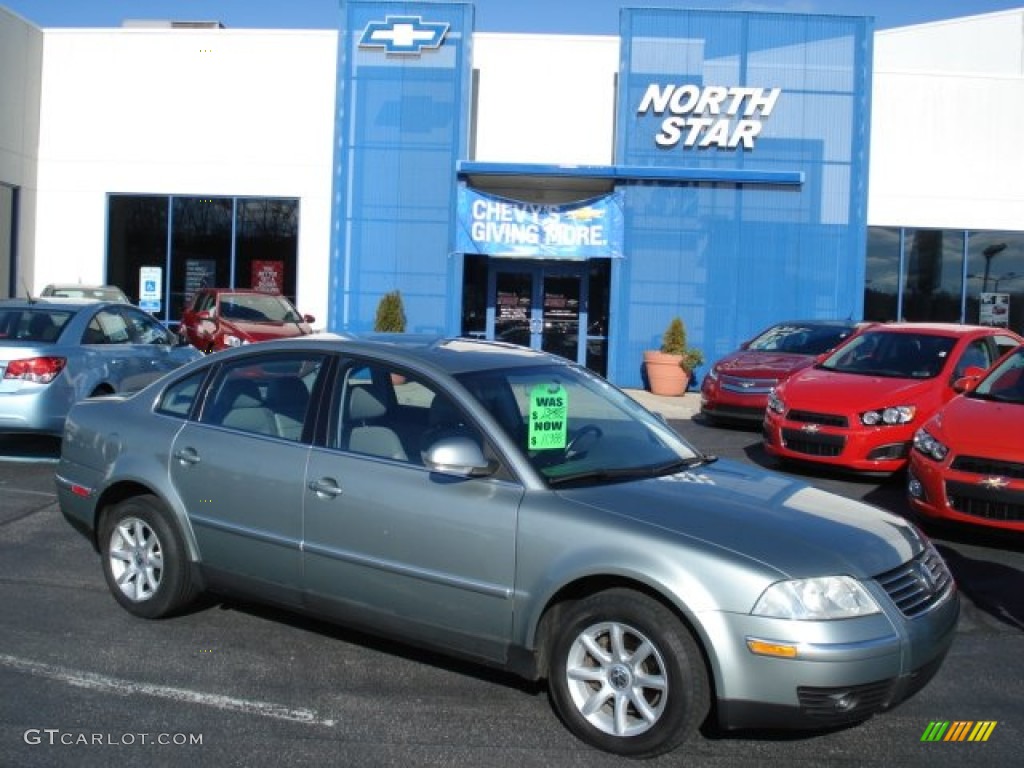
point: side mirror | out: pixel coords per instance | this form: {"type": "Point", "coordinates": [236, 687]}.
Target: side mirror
{"type": "Point", "coordinates": [457, 455]}
{"type": "Point", "coordinates": [967, 382]}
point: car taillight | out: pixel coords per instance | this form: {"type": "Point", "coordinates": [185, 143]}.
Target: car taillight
{"type": "Point", "coordinates": [40, 370]}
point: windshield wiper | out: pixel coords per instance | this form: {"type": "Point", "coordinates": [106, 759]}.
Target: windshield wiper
{"type": "Point", "coordinates": [620, 473]}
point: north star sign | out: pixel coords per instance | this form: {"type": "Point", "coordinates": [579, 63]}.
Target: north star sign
{"type": "Point", "coordinates": [403, 34]}
{"type": "Point", "coordinates": [709, 116]}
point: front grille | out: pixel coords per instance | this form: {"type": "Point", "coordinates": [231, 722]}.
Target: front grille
{"type": "Point", "coordinates": [747, 386]}
{"type": "Point", "coordinates": [843, 704]}
{"type": "Point", "coordinates": [919, 584]}
{"type": "Point", "coordinates": [812, 444]}
{"type": "Point", "coordinates": [982, 466]}
{"type": "Point", "coordinates": [738, 412]}
{"type": "Point", "coordinates": [809, 417]}
{"type": "Point", "coordinates": [988, 503]}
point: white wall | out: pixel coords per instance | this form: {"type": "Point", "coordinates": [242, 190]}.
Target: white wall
{"type": "Point", "coordinates": [21, 53]}
{"type": "Point", "coordinates": [545, 98]}
{"type": "Point", "coordinates": [947, 111]}
{"type": "Point", "coordinates": [189, 112]}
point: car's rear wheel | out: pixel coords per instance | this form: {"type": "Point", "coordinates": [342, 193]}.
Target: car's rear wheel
{"type": "Point", "coordinates": [626, 675]}
{"type": "Point", "coordinates": [144, 559]}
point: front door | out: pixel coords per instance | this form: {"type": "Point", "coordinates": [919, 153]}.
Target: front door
{"type": "Point", "coordinates": [541, 306]}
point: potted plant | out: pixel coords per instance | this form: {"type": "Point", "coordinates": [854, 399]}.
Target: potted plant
{"type": "Point", "coordinates": [669, 368]}
{"type": "Point", "coordinates": [390, 317]}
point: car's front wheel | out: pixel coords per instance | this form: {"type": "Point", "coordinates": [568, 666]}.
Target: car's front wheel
{"type": "Point", "coordinates": [144, 559]}
{"type": "Point", "coordinates": [626, 675]}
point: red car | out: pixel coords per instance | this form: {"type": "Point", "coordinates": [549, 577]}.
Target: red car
{"type": "Point", "coordinates": [230, 317]}
{"type": "Point", "coordinates": [859, 407]}
{"type": "Point", "coordinates": [968, 459]}
{"type": "Point", "coordinates": [736, 388]}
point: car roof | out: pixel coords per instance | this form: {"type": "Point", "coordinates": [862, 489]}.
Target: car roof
{"type": "Point", "coordinates": [57, 302]}
{"type": "Point", "coordinates": [447, 354]}
{"type": "Point", "coordinates": [947, 329]}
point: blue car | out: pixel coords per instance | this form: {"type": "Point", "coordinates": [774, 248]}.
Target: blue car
{"type": "Point", "coordinates": [56, 352]}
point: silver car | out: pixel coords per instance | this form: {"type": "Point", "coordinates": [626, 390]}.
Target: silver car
{"type": "Point", "coordinates": [508, 506]}
{"type": "Point", "coordinates": [54, 352]}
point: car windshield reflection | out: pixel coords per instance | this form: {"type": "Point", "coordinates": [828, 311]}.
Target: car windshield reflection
{"type": "Point", "coordinates": [1005, 383]}
{"type": "Point", "coordinates": [573, 427]}
{"type": "Point", "coordinates": [895, 355]}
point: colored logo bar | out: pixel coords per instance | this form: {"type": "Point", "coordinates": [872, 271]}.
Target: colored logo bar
{"type": "Point", "coordinates": [958, 730]}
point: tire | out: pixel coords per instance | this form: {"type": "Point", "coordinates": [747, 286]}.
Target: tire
{"type": "Point", "coordinates": [601, 648]}
{"type": "Point", "coordinates": [144, 559]}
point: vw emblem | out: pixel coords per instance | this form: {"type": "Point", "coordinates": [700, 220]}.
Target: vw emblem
{"type": "Point", "coordinates": [925, 578]}
{"type": "Point", "coordinates": [994, 483]}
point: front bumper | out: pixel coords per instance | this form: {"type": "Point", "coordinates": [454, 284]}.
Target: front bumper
{"type": "Point", "coordinates": [862, 449]}
{"type": "Point", "coordinates": [987, 497]}
{"type": "Point", "coordinates": [846, 671]}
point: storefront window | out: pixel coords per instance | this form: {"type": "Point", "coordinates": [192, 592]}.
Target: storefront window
{"type": "Point", "coordinates": [882, 280]}
{"type": "Point", "coordinates": [474, 296]}
{"type": "Point", "coordinates": [214, 241]}
{"type": "Point", "coordinates": [933, 275]}
{"type": "Point", "coordinates": [995, 279]}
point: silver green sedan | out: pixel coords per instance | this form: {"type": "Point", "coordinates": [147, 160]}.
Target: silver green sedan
{"type": "Point", "coordinates": [508, 506]}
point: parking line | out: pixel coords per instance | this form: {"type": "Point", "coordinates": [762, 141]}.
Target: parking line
{"type": "Point", "coordinates": [97, 682]}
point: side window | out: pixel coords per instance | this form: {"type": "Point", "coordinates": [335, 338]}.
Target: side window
{"type": "Point", "coordinates": [107, 327]}
{"type": "Point", "coordinates": [383, 413]}
{"type": "Point", "coordinates": [976, 355]}
{"type": "Point", "coordinates": [1004, 344]}
{"type": "Point", "coordinates": [268, 395]}
{"type": "Point", "coordinates": [179, 397]}
{"type": "Point", "coordinates": [145, 329]}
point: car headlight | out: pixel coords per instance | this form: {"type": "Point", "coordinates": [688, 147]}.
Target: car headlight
{"type": "Point", "coordinates": [713, 374]}
{"type": "Point", "coordinates": [234, 341]}
{"type": "Point", "coordinates": [775, 402]}
{"type": "Point", "coordinates": [926, 443]}
{"type": "Point", "coordinates": [828, 597]}
{"type": "Point", "coordinates": [887, 417]}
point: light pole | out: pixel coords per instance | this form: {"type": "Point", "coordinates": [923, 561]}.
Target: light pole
{"type": "Point", "coordinates": [989, 252]}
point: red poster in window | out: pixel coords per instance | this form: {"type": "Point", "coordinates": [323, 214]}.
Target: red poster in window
{"type": "Point", "coordinates": [268, 276]}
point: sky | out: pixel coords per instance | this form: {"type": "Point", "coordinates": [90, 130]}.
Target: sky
{"type": "Point", "coordinates": [590, 17]}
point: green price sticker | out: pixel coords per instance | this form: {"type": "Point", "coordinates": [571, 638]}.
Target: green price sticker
{"type": "Point", "coordinates": [549, 412]}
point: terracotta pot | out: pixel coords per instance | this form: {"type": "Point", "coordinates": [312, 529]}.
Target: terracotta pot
{"type": "Point", "coordinates": [664, 374]}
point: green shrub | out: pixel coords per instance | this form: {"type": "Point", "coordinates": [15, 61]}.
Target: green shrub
{"type": "Point", "coordinates": [673, 342]}
{"type": "Point", "coordinates": [390, 316]}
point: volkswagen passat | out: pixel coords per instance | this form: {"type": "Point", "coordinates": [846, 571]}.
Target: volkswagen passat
{"type": "Point", "coordinates": [508, 506]}
{"type": "Point", "coordinates": [859, 408]}
{"type": "Point", "coordinates": [54, 352]}
{"type": "Point", "coordinates": [968, 460]}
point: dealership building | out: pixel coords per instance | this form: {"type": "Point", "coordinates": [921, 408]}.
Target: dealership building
{"type": "Point", "coordinates": [572, 193]}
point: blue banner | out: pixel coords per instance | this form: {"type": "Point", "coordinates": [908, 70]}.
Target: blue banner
{"type": "Point", "coordinates": [497, 226]}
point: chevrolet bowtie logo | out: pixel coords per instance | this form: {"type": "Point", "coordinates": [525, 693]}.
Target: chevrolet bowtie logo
{"type": "Point", "coordinates": [812, 428]}
{"type": "Point", "coordinates": [994, 483]}
{"type": "Point", "coordinates": [403, 34]}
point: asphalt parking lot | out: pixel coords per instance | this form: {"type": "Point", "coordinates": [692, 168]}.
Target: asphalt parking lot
{"type": "Point", "coordinates": [230, 684]}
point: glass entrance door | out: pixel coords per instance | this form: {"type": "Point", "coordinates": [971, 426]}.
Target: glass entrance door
{"type": "Point", "coordinates": [541, 306]}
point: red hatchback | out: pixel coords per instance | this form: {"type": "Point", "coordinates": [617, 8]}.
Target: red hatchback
{"type": "Point", "coordinates": [230, 317]}
{"type": "Point", "coordinates": [968, 459]}
{"type": "Point", "coordinates": [859, 407]}
{"type": "Point", "coordinates": [737, 386]}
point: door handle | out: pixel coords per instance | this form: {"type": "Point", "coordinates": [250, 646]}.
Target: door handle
{"type": "Point", "coordinates": [325, 487]}
{"type": "Point", "coordinates": [187, 456]}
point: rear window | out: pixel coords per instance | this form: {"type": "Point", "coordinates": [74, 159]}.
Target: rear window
{"type": "Point", "coordinates": [32, 324]}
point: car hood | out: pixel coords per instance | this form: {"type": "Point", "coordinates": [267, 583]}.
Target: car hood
{"type": "Point", "coordinates": [816, 388]}
{"type": "Point", "coordinates": [786, 524]}
{"type": "Point", "coordinates": [265, 331]}
{"type": "Point", "coordinates": [977, 427]}
{"type": "Point", "coordinates": [762, 365]}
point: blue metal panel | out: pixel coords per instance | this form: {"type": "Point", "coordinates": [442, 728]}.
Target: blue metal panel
{"type": "Point", "coordinates": [404, 73]}
{"type": "Point", "coordinates": [730, 256]}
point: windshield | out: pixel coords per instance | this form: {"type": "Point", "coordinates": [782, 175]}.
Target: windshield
{"type": "Point", "coordinates": [888, 353]}
{"type": "Point", "coordinates": [573, 426]}
{"type": "Point", "coordinates": [800, 338]}
{"type": "Point", "coordinates": [1005, 382]}
{"type": "Point", "coordinates": [257, 308]}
